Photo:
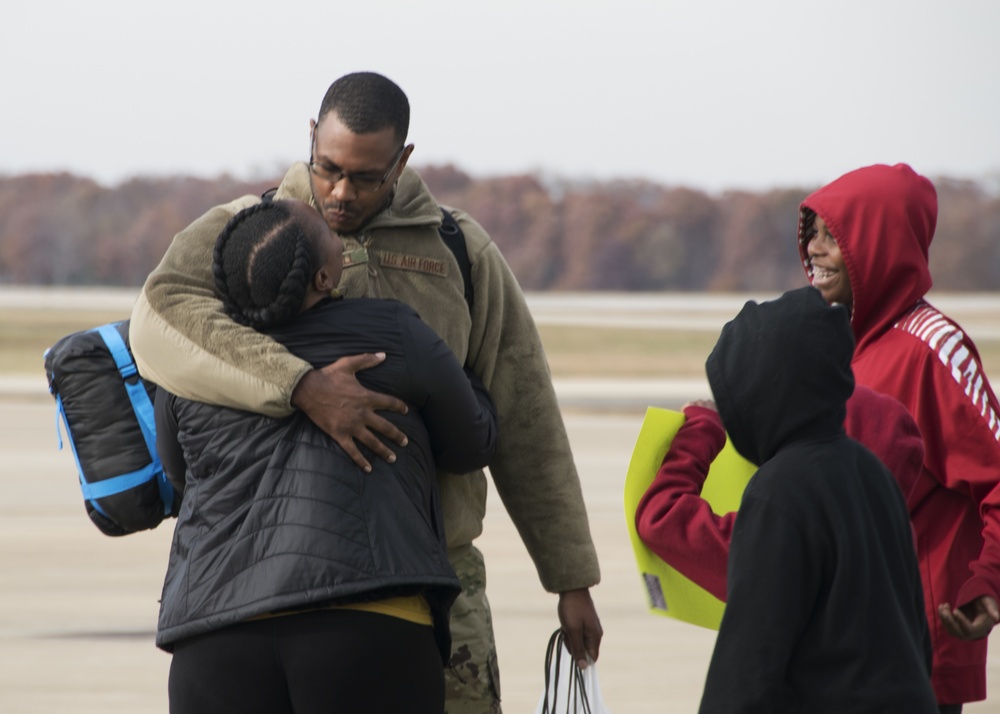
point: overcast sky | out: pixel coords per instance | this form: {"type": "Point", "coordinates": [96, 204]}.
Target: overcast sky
{"type": "Point", "coordinates": [727, 94]}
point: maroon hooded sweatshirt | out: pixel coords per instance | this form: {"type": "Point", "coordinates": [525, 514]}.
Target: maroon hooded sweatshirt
{"type": "Point", "coordinates": [679, 525]}
{"type": "Point", "coordinates": [883, 219]}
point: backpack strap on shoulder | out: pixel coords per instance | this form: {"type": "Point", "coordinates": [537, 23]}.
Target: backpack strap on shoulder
{"type": "Point", "coordinates": [453, 237]}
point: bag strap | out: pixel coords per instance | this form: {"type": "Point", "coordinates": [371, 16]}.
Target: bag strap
{"type": "Point", "coordinates": [143, 409]}
{"type": "Point", "coordinates": [453, 237]}
{"type": "Point", "coordinates": [141, 405]}
{"type": "Point", "coordinates": [576, 691]}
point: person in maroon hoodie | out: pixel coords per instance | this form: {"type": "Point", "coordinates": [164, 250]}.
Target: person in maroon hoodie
{"type": "Point", "coordinates": [679, 525]}
{"type": "Point", "coordinates": [864, 240]}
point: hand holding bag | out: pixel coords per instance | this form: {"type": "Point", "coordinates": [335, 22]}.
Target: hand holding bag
{"type": "Point", "coordinates": [568, 690]}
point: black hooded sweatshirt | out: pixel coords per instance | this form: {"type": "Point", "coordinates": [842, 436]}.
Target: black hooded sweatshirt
{"type": "Point", "coordinates": [824, 603]}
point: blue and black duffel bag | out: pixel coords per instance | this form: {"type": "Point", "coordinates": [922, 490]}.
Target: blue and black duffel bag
{"type": "Point", "coordinates": [108, 412]}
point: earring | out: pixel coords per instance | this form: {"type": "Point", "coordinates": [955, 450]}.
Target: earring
{"type": "Point", "coordinates": [336, 294]}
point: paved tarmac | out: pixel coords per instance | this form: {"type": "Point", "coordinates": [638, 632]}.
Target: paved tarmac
{"type": "Point", "coordinates": [78, 609]}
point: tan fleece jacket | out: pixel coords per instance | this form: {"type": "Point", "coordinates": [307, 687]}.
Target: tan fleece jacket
{"type": "Point", "coordinates": [183, 341]}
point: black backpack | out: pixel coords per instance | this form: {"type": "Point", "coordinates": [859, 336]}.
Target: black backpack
{"type": "Point", "coordinates": [108, 413]}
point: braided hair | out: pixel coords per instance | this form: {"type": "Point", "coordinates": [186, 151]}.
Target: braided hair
{"type": "Point", "coordinates": [263, 263]}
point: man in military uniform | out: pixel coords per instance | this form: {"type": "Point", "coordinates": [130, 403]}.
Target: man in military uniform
{"type": "Point", "coordinates": [357, 178]}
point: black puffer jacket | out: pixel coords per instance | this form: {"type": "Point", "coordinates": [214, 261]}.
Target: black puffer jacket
{"type": "Point", "coordinates": [275, 516]}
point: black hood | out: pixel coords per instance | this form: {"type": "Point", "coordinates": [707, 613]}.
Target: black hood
{"type": "Point", "coordinates": [781, 371]}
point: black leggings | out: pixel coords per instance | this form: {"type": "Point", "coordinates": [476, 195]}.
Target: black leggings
{"type": "Point", "coordinates": [326, 661]}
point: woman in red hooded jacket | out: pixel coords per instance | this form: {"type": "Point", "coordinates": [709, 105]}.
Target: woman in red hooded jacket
{"type": "Point", "coordinates": [864, 241]}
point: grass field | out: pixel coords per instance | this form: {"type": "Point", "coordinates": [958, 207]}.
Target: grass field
{"type": "Point", "coordinates": [630, 350]}
{"type": "Point", "coordinates": [575, 351]}
{"type": "Point", "coordinates": [25, 334]}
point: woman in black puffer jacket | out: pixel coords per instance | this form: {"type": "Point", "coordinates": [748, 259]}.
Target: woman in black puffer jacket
{"type": "Point", "coordinates": [297, 581]}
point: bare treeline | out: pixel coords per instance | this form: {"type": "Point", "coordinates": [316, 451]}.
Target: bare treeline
{"type": "Point", "coordinates": [59, 229]}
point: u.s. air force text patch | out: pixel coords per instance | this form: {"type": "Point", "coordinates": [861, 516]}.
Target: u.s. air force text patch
{"type": "Point", "coordinates": [416, 263]}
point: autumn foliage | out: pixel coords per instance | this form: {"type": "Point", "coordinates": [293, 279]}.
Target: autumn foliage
{"type": "Point", "coordinates": [60, 229]}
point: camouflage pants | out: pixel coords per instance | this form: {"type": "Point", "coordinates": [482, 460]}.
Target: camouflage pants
{"type": "Point", "coordinates": [472, 679]}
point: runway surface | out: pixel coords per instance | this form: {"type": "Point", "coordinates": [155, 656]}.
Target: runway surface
{"type": "Point", "coordinates": [78, 609]}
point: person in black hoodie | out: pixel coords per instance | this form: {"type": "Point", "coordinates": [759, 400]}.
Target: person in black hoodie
{"type": "Point", "coordinates": [824, 602]}
{"type": "Point", "coordinates": [297, 582]}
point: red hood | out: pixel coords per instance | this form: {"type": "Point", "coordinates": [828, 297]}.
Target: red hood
{"type": "Point", "coordinates": [883, 219]}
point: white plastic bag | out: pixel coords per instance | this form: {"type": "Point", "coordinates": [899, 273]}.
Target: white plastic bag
{"type": "Point", "coordinates": [567, 689]}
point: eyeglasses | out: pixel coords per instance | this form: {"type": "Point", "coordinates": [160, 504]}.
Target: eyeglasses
{"type": "Point", "coordinates": [361, 181]}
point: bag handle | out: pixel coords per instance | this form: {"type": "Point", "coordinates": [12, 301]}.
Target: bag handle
{"type": "Point", "coordinates": [577, 691]}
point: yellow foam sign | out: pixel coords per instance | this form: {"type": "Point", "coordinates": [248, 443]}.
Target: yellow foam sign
{"type": "Point", "coordinates": [668, 592]}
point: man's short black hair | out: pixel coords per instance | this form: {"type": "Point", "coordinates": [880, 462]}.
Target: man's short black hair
{"type": "Point", "coordinates": [367, 102]}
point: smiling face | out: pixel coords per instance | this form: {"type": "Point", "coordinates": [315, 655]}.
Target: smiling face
{"type": "Point", "coordinates": [829, 273]}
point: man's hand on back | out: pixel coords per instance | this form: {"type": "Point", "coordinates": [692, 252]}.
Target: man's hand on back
{"type": "Point", "coordinates": [336, 402]}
